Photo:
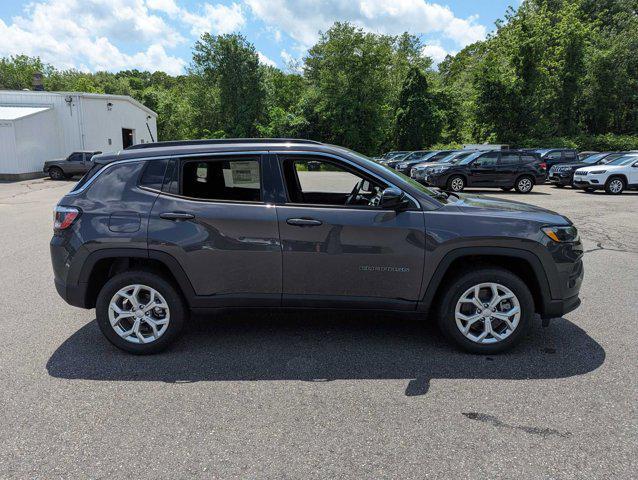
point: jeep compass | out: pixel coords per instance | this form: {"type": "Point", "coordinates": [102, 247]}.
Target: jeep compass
{"type": "Point", "coordinates": [157, 231]}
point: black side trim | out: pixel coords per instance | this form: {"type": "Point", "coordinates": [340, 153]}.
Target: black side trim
{"type": "Point", "coordinates": [347, 302]}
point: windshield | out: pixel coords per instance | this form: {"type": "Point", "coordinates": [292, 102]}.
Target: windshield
{"type": "Point", "coordinates": [435, 193]}
{"type": "Point", "coordinates": [624, 160]}
{"type": "Point", "coordinates": [593, 158]}
{"type": "Point", "coordinates": [470, 157]}
{"type": "Point", "coordinates": [418, 156]}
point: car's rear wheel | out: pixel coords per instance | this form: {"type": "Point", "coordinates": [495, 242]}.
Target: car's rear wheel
{"type": "Point", "coordinates": [56, 173]}
{"type": "Point", "coordinates": [140, 312]}
{"type": "Point", "coordinates": [524, 184]}
{"type": "Point", "coordinates": [456, 183]}
{"type": "Point", "coordinates": [615, 186]}
{"type": "Point", "coordinates": [486, 311]}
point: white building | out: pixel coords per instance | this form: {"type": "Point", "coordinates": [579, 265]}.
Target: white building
{"type": "Point", "coordinates": [39, 126]}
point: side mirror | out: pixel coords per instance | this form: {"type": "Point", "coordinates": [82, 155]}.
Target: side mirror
{"type": "Point", "coordinates": [393, 199]}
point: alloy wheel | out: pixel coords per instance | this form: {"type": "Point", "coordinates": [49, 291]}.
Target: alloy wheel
{"type": "Point", "coordinates": [615, 186]}
{"type": "Point", "coordinates": [139, 314]}
{"type": "Point", "coordinates": [524, 184]}
{"type": "Point", "coordinates": [487, 313]}
{"type": "Point", "coordinates": [457, 184]}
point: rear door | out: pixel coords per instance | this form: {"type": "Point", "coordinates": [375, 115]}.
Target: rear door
{"type": "Point", "coordinates": [483, 171]}
{"type": "Point", "coordinates": [213, 219]}
{"type": "Point", "coordinates": [338, 248]}
{"type": "Point", "coordinates": [509, 166]}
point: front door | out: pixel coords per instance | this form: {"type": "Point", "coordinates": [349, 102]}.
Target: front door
{"type": "Point", "coordinates": [339, 248]}
{"type": "Point", "coordinates": [484, 170]}
{"type": "Point", "coordinates": [212, 218]}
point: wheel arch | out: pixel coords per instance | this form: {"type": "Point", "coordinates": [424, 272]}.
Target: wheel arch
{"type": "Point", "coordinates": [523, 263]}
{"type": "Point", "coordinates": [101, 265]}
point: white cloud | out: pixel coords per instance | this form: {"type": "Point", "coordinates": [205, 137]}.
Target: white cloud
{"type": "Point", "coordinates": [436, 52]}
{"type": "Point", "coordinates": [303, 20]}
{"type": "Point", "coordinates": [293, 64]}
{"type": "Point", "coordinates": [166, 6]}
{"type": "Point", "coordinates": [81, 34]}
{"type": "Point", "coordinates": [265, 60]}
{"type": "Point", "coordinates": [217, 19]}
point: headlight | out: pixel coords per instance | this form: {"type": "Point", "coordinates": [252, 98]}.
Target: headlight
{"type": "Point", "coordinates": [562, 234]}
{"type": "Point", "coordinates": [598, 172]}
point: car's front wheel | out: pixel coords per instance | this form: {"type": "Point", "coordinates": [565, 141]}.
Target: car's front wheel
{"type": "Point", "coordinates": [140, 312]}
{"type": "Point", "coordinates": [486, 311]}
{"type": "Point", "coordinates": [615, 186]}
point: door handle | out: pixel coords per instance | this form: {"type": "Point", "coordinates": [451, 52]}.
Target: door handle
{"type": "Point", "coordinates": [176, 216]}
{"type": "Point", "coordinates": [304, 222]}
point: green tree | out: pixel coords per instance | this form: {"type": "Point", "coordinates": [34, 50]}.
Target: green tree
{"type": "Point", "coordinates": [16, 72]}
{"type": "Point", "coordinates": [227, 67]}
{"type": "Point", "coordinates": [417, 121]}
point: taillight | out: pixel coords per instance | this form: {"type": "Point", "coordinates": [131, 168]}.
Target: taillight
{"type": "Point", "coordinates": [63, 217]}
{"type": "Point", "coordinates": [543, 166]}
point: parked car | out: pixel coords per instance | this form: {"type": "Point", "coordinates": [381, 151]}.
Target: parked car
{"type": "Point", "coordinates": [392, 155]}
{"type": "Point", "coordinates": [396, 159]}
{"type": "Point", "coordinates": [614, 177]}
{"type": "Point", "coordinates": [505, 169]}
{"type": "Point", "coordinates": [563, 173]}
{"type": "Point", "coordinates": [583, 155]}
{"type": "Point", "coordinates": [78, 163]}
{"type": "Point", "coordinates": [414, 158]}
{"type": "Point", "coordinates": [552, 156]}
{"type": "Point", "coordinates": [421, 170]}
{"type": "Point", "coordinates": [153, 232]}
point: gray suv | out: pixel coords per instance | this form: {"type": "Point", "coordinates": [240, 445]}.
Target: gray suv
{"type": "Point", "coordinates": [160, 230]}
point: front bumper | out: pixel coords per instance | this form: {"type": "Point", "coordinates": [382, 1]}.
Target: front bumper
{"type": "Point", "coordinates": [560, 178]}
{"type": "Point", "coordinates": [589, 181]}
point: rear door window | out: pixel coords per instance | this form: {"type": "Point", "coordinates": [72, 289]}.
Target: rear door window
{"type": "Point", "coordinates": [510, 159]}
{"type": "Point", "coordinates": [223, 179]}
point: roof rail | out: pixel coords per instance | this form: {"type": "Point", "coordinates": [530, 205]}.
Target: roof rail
{"type": "Point", "coordinates": [217, 141]}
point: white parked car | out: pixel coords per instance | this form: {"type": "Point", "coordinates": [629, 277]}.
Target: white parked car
{"type": "Point", "coordinates": [613, 177]}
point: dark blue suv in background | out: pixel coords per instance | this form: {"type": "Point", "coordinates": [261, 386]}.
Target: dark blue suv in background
{"type": "Point", "coordinates": [154, 232]}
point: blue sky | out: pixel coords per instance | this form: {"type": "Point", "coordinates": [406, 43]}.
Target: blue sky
{"type": "Point", "coordinates": [158, 34]}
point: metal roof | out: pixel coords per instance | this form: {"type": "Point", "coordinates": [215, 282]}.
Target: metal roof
{"type": "Point", "coordinates": [16, 112]}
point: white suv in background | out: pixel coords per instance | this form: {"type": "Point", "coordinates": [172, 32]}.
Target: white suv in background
{"type": "Point", "coordinates": [614, 177]}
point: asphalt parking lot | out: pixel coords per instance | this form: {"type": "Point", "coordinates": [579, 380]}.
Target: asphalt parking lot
{"type": "Point", "coordinates": [299, 395]}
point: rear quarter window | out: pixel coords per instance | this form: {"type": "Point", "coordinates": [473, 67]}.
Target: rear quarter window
{"type": "Point", "coordinates": [87, 176]}
{"type": "Point", "coordinates": [153, 176]}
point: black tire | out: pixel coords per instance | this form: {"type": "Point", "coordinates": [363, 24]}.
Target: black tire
{"type": "Point", "coordinates": [506, 189]}
{"type": "Point", "coordinates": [615, 185]}
{"type": "Point", "coordinates": [176, 305]}
{"type": "Point", "coordinates": [455, 183]}
{"type": "Point", "coordinates": [524, 184]}
{"type": "Point", "coordinates": [463, 282]}
{"type": "Point", "coordinates": [56, 173]}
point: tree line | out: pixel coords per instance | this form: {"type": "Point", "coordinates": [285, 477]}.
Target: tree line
{"type": "Point", "coordinates": [553, 73]}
